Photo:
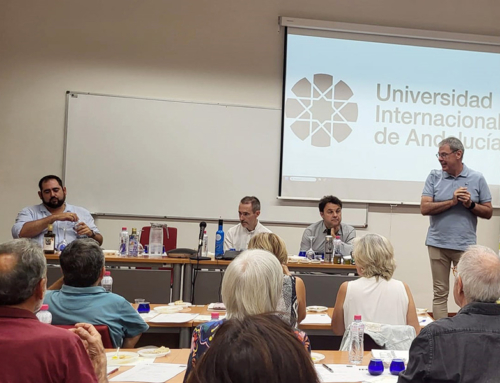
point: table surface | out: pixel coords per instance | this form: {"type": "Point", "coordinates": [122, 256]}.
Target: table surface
{"type": "Point", "coordinates": [213, 262]}
{"type": "Point", "coordinates": [181, 356]}
{"type": "Point", "coordinates": [203, 310]}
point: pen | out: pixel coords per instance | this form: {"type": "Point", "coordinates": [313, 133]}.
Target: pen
{"type": "Point", "coordinates": [328, 368]}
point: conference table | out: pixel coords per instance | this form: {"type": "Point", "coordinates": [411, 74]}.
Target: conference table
{"type": "Point", "coordinates": [180, 356]}
{"type": "Point", "coordinates": [318, 277]}
{"type": "Point", "coordinates": [185, 329]}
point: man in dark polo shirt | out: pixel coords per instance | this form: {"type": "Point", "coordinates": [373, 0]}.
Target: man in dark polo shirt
{"type": "Point", "coordinates": [33, 351]}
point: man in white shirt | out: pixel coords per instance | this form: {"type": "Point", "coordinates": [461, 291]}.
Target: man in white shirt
{"type": "Point", "coordinates": [238, 236]}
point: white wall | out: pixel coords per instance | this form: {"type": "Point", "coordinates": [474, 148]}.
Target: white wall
{"type": "Point", "coordinates": [227, 51]}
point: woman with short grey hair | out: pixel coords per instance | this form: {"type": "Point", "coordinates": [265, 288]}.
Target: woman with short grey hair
{"type": "Point", "coordinates": [376, 296]}
{"type": "Point", "coordinates": [252, 285]}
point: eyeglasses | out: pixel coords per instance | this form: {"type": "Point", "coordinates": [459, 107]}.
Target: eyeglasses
{"type": "Point", "coordinates": [445, 155]}
{"type": "Point", "coordinates": [455, 271]}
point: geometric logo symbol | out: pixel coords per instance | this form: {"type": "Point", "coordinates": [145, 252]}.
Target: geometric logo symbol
{"type": "Point", "coordinates": [321, 110]}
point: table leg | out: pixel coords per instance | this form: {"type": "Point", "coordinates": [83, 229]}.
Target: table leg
{"type": "Point", "coordinates": [186, 293]}
{"type": "Point", "coordinates": [176, 287]}
{"type": "Point", "coordinates": [185, 337]}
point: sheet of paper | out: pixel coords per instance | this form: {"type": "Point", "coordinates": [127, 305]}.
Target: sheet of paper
{"type": "Point", "coordinates": [173, 318]}
{"type": "Point", "coordinates": [341, 373]}
{"type": "Point", "coordinates": [150, 373]}
{"type": "Point", "coordinates": [349, 373]}
{"type": "Point", "coordinates": [317, 319]}
{"type": "Point", "coordinates": [111, 369]}
{"type": "Point", "coordinates": [424, 321]}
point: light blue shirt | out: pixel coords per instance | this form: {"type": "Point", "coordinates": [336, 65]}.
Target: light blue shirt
{"type": "Point", "coordinates": [95, 305]}
{"type": "Point", "coordinates": [33, 213]}
{"type": "Point", "coordinates": [454, 228]}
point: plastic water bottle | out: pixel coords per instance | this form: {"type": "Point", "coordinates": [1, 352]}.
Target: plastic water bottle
{"type": "Point", "coordinates": [123, 242]}
{"type": "Point", "coordinates": [44, 315]}
{"type": "Point", "coordinates": [204, 247]}
{"type": "Point", "coordinates": [133, 243]}
{"type": "Point", "coordinates": [356, 347]}
{"type": "Point", "coordinates": [219, 240]}
{"type": "Point", "coordinates": [337, 255]}
{"type": "Point", "coordinates": [107, 281]}
{"type": "Point", "coordinates": [328, 249]}
{"type": "Point", "coordinates": [156, 239]}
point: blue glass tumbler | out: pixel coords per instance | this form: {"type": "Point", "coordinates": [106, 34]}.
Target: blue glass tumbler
{"type": "Point", "coordinates": [397, 365]}
{"type": "Point", "coordinates": [143, 308]}
{"type": "Point", "coordinates": [376, 367]}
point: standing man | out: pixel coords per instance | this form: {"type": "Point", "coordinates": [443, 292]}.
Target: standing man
{"type": "Point", "coordinates": [330, 209]}
{"type": "Point", "coordinates": [72, 221]}
{"type": "Point", "coordinates": [238, 236]}
{"type": "Point", "coordinates": [453, 197]}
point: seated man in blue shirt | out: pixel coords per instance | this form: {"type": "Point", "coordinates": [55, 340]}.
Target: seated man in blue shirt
{"type": "Point", "coordinates": [69, 222]}
{"type": "Point", "coordinates": [82, 299]}
{"type": "Point", "coordinates": [462, 348]}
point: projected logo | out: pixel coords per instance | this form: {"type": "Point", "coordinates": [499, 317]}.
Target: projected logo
{"type": "Point", "coordinates": [321, 110]}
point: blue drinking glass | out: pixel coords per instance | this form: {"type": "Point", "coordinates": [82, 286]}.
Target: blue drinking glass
{"type": "Point", "coordinates": [143, 308]}
{"type": "Point", "coordinates": [302, 253]}
{"type": "Point", "coordinates": [397, 366]}
{"type": "Point", "coordinates": [376, 367]}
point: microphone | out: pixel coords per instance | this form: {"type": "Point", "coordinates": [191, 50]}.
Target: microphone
{"type": "Point", "coordinates": [198, 256]}
{"type": "Point", "coordinates": [203, 225]}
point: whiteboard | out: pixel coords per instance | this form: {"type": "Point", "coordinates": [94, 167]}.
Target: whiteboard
{"type": "Point", "coordinates": [149, 157]}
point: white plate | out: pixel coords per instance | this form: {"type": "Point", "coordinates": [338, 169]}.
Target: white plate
{"type": "Point", "coordinates": [168, 309]}
{"type": "Point", "coordinates": [110, 252]}
{"type": "Point", "coordinates": [211, 307]}
{"type": "Point", "coordinates": [315, 261]}
{"type": "Point", "coordinates": [146, 352]}
{"type": "Point", "coordinates": [183, 304]}
{"type": "Point", "coordinates": [421, 311]}
{"type": "Point", "coordinates": [317, 309]}
{"type": "Point", "coordinates": [316, 357]}
{"type": "Point", "coordinates": [124, 357]}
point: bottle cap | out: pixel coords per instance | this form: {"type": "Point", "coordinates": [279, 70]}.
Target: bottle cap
{"type": "Point", "coordinates": [44, 307]}
{"type": "Point", "coordinates": [204, 232]}
{"type": "Point", "coordinates": [124, 229]}
{"type": "Point", "coordinates": [107, 273]}
{"type": "Point", "coordinates": [337, 237]}
{"type": "Point", "coordinates": [357, 317]}
{"type": "Point", "coordinates": [49, 227]}
{"type": "Point", "coordinates": [221, 221]}
{"type": "Point", "coordinates": [214, 316]}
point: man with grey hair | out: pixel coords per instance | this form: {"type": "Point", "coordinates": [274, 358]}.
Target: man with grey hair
{"type": "Point", "coordinates": [454, 196]}
{"type": "Point", "coordinates": [462, 348]}
{"type": "Point", "coordinates": [82, 299]}
{"type": "Point", "coordinates": [238, 236]}
{"type": "Point", "coordinates": [34, 351]}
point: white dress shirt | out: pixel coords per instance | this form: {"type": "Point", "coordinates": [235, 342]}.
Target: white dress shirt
{"type": "Point", "coordinates": [238, 236]}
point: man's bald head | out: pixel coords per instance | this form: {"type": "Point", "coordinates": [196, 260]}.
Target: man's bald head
{"type": "Point", "coordinates": [479, 271]}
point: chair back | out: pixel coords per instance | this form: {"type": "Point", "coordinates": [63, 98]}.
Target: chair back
{"type": "Point", "coordinates": [169, 237]}
{"type": "Point", "coordinates": [385, 336]}
{"type": "Point", "coordinates": [101, 329]}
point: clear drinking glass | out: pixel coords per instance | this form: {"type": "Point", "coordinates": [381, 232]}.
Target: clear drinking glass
{"type": "Point", "coordinates": [62, 244]}
{"type": "Point", "coordinates": [310, 252]}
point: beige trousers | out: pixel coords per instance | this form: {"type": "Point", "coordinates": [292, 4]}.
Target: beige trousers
{"type": "Point", "coordinates": [441, 260]}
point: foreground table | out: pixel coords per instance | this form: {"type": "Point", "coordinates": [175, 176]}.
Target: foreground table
{"type": "Point", "coordinates": [181, 356]}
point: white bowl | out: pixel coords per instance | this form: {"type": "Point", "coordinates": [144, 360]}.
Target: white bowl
{"type": "Point", "coordinates": [149, 352]}
{"type": "Point", "coordinates": [421, 311]}
{"type": "Point", "coordinates": [317, 357]}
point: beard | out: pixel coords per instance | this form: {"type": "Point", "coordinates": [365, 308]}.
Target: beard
{"type": "Point", "coordinates": [55, 202]}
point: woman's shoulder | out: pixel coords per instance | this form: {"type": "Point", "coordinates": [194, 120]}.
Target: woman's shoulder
{"type": "Point", "coordinates": [302, 336]}
{"type": "Point", "coordinates": [209, 327]}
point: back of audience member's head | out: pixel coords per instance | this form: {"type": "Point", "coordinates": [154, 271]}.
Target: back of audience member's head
{"type": "Point", "coordinates": [260, 348]}
{"type": "Point", "coordinates": [252, 284]}
{"type": "Point", "coordinates": [479, 269]}
{"type": "Point", "coordinates": [81, 263]}
{"type": "Point", "coordinates": [374, 254]}
{"type": "Point", "coordinates": [272, 243]}
{"type": "Point", "coordinates": [22, 267]}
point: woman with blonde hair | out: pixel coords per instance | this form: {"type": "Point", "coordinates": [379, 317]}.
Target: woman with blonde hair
{"type": "Point", "coordinates": [292, 305]}
{"type": "Point", "coordinates": [376, 296]}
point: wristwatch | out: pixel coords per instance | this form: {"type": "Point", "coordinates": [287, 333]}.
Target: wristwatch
{"type": "Point", "coordinates": [472, 205]}
{"type": "Point", "coordinates": [93, 234]}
